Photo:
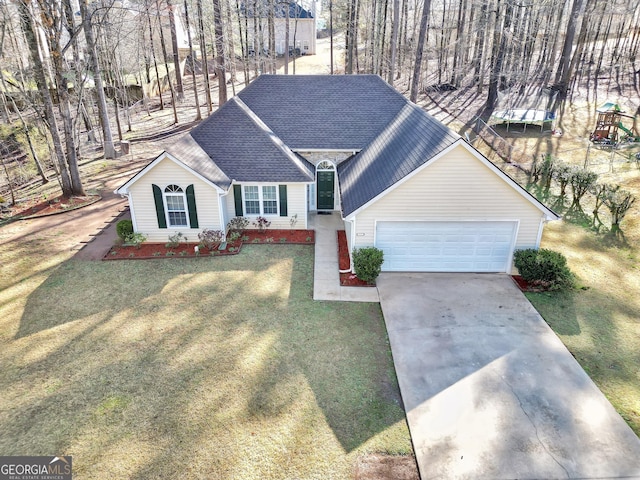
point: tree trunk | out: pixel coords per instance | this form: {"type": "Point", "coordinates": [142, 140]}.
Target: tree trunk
{"type": "Point", "coordinates": [498, 54]}
{"type": "Point", "coordinates": [166, 65]}
{"type": "Point", "coordinates": [174, 47]}
{"type": "Point", "coordinates": [417, 67]}
{"type": "Point", "coordinates": [203, 54]}
{"type": "Point", "coordinates": [43, 88]}
{"type": "Point", "coordinates": [394, 41]}
{"type": "Point", "coordinates": [221, 72]}
{"type": "Point", "coordinates": [350, 33]}
{"type": "Point", "coordinates": [107, 138]}
{"type": "Point", "coordinates": [155, 60]}
{"type": "Point", "coordinates": [563, 72]}
{"type": "Point", "coordinates": [193, 63]}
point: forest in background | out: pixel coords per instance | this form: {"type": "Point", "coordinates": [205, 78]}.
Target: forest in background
{"type": "Point", "coordinates": [71, 68]}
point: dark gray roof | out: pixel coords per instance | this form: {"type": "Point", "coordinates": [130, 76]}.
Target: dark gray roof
{"type": "Point", "coordinates": [279, 10]}
{"type": "Point", "coordinates": [246, 150]}
{"type": "Point", "coordinates": [187, 151]}
{"type": "Point", "coordinates": [410, 140]}
{"type": "Point", "coordinates": [341, 112]}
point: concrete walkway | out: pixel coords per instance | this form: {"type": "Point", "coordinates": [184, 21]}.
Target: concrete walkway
{"type": "Point", "coordinates": [490, 391]}
{"type": "Point", "coordinates": [326, 277]}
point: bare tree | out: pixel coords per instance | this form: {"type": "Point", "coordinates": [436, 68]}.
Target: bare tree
{"type": "Point", "coordinates": [417, 66]}
{"type": "Point", "coordinates": [107, 138]}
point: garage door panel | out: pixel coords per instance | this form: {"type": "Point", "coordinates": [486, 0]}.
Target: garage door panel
{"type": "Point", "coordinates": [446, 246]}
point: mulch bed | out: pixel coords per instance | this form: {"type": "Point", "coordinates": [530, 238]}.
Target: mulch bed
{"type": "Point", "coordinates": [53, 206]}
{"type": "Point", "coordinates": [526, 286]}
{"type": "Point", "coordinates": [150, 250]}
{"type": "Point", "coordinates": [344, 263]}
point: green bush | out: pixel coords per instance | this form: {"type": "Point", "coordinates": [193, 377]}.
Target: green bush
{"type": "Point", "coordinates": [124, 228]}
{"type": "Point", "coordinates": [367, 263]}
{"type": "Point", "coordinates": [544, 268]}
{"type": "Point", "coordinates": [135, 239]}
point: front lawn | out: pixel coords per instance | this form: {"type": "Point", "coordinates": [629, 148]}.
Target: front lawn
{"type": "Point", "coordinates": [191, 368]}
{"type": "Point", "coordinates": [600, 323]}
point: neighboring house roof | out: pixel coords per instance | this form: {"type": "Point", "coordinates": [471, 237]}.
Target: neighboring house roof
{"type": "Point", "coordinates": [279, 10]}
{"type": "Point", "coordinates": [340, 112]}
{"type": "Point", "coordinates": [408, 141]}
{"type": "Point", "coordinates": [246, 150]}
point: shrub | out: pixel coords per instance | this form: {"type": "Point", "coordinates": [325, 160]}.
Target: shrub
{"type": "Point", "coordinates": [175, 239]}
{"type": "Point", "coordinates": [238, 224]}
{"type": "Point", "coordinates": [262, 224]}
{"type": "Point", "coordinates": [135, 239]}
{"type": "Point", "coordinates": [233, 236]}
{"type": "Point", "coordinates": [618, 202]}
{"type": "Point", "coordinates": [124, 228]}
{"type": "Point", "coordinates": [543, 267]}
{"type": "Point", "coordinates": [210, 238]}
{"type": "Point", "coordinates": [367, 263]}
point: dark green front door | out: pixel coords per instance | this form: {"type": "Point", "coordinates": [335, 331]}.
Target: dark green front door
{"type": "Point", "coordinates": [325, 190]}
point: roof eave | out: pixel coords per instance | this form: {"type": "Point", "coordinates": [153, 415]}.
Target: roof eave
{"type": "Point", "coordinates": [124, 189]}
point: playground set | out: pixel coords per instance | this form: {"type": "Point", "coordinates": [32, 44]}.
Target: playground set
{"type": "Point", "coordinates": [609, 122]}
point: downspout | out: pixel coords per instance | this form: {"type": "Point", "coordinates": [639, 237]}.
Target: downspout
{"type": "Point", "coordinates": [221, 211]}
{"type": "Point", "coordinates": [131, 209]}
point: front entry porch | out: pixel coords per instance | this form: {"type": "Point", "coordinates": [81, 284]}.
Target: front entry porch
{"type": "Point", "coordinates": [326, 276]}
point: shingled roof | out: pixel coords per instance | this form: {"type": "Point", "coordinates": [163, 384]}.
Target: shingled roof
{"type": "Point", "coordinates": [339, 112]}
{"type": "Point", "coordinates": [246, 149]}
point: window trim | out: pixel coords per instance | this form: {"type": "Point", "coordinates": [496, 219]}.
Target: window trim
{"type": "Point", "coordinates": [182, 193]}
{"type": "Point", "coordinates": [261, 200]}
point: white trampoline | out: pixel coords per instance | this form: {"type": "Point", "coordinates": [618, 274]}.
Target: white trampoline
{"type": "Point", "coordinates": [521, 116]}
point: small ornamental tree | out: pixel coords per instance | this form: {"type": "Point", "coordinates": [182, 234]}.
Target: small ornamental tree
{"type": "Point", "coordinates": [562, 175]}
{"type": "Point", "coordinates": [599, 191]}
{"type": "Point", "coordinates": [547, 171]}
{"type": "Point", "coordinates": [618, 202]}
{"type": "Point", "coordinates": [367, 263]}
{"type": "Point", "coordinates": [543, 268]}
{"type": "Point", "coordinates": [581, 181]}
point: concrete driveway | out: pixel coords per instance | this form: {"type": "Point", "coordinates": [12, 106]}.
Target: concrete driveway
{"type": "Point", "coordinates": [490, 391]}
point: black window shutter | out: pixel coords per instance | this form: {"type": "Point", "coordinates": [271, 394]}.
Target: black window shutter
{"type": "Point", "coordinates": [237, 196]}
{"type": "Point", "coordinates": [191, 205]}
{"type": "Point", "coordinates": [283, 200]}
{"type": "Point", "coordinates": [157, 197]}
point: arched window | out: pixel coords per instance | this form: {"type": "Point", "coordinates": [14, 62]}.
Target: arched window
{"type": "Point", "coordinates": [325, 165]}
{"type": "Point", "coordinates": [176, 203]}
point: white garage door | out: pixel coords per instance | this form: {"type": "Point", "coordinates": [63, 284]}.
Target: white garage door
{"type": "Point", "coordinates": [445, 246]}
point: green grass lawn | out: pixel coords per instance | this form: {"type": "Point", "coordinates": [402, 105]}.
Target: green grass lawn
{"type": "Point", "coordinates": [191, 368]}
{"type": "Point", "coordinates": [599, 323]}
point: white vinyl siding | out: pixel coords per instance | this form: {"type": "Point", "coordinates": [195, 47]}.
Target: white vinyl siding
{"type": "Point", "coordinates": [167, 173]}
{"type": "Point", "coordinates": [296, 204]}
{"type": "Point", "coordinates": [456, 187]}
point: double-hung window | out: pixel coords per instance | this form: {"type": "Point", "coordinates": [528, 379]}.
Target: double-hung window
{"type": "Point", "coordinates": [260, 200]}
{"type": "Point", "coordinates": [176, 206]}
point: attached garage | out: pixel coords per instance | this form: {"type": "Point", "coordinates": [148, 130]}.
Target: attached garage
{"type": "Point", "coordinates": [446, 246]}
